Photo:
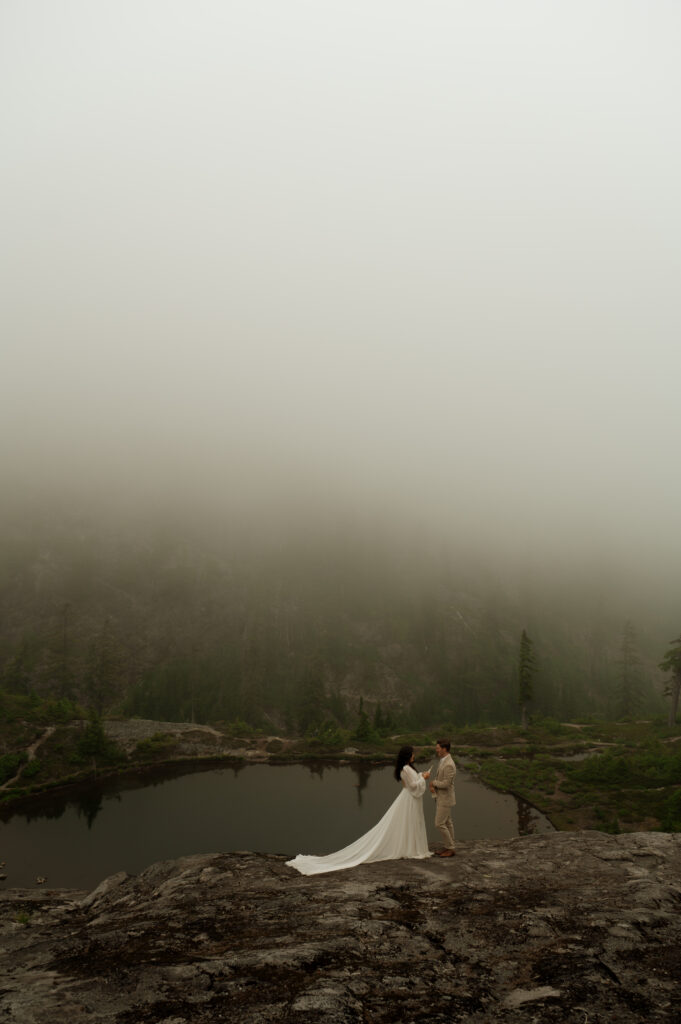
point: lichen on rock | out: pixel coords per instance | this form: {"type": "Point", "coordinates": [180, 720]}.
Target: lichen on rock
{"type": "Point", "coordinates": [559, 927]}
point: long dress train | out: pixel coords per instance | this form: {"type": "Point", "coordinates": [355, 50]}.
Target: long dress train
{"type": "Point", "coordinates": [401, 832]}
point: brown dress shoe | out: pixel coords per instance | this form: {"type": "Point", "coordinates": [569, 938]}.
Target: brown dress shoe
{"type": "Point", "coordinates": [447, 853]}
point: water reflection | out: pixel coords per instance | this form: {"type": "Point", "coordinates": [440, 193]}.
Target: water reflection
{"type": "Point", "coordinates": [78, 837]}
{"type": "Point", "coordinates": [317, 768]}
{"type": "Point", "coordinates": [89, 805]}
{"type": "Point", "coordinates": [361, 770]}
{"type": "Point", "coordinates": [87, 797]}
{"type": "Point", "coordinates": [362, 773]}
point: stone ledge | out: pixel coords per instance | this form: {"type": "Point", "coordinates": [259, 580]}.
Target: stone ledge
{"type": "Point", "coordinates": [547, 928]}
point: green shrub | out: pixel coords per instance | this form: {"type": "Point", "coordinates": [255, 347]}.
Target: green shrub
{"type": "Point", "coordinates": [648, 769]}
{"type": "Point", "coordinates": [671, 816]}
{"type": "Point", "coordinates": [522, 776]}
{"type": "Point", "coordinates": [161, 744]}
{"type": "Point", "coordinates": [550, 725]}
{"type": "Point", "coordinates": [327, 735]}
{"type": "Point", "coordinates": [364, 731]}
{"type": "Point", "coordinates": [32, 769]}
{"type": "Point", "coordinates": [10, 764]}
{"type": "Point", "coordinates": [63, 710]}
{"type": "Point", "coordinates": [94, 745]}
{"type": "Point", "coordinates": [239, 728]}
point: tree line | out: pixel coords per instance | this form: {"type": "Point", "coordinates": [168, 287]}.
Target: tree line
{"type": "Point", "coordinates": [294, 636]}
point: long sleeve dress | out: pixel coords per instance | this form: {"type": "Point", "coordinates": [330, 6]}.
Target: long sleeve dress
{"type": "Point", "coordinates": [401, 832]}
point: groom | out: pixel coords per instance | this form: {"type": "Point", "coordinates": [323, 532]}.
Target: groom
{"type": "Point", "coordinates": [442, 788]}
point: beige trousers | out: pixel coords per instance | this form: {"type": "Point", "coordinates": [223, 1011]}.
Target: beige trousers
{"type": "Point", "coordinates": [444, 823]}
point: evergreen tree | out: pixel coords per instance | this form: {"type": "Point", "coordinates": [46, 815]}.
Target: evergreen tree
{"type": "Point", "coordinates": [312, 698]}
{"type": "Point", "coordinates": [363, 730]}
{"type": "Point", "coordinates": [58, 670]}
{"type": "Point", "coordinates": [672, 663]}
{"type": "Point", "coordinates": [338, 707]}
{"type": "Point", "coordinates": [94, 742]}
{"type": "Point", "coordinates": [16, 677]}
{"type": "Point", "coordinates": [526, 671]}
{"type": "Point", "coordinates": [102, 668]}
{"type": "Point", "coordinates": [629, 676]}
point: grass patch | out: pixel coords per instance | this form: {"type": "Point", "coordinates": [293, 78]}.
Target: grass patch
{"type": "Point", "coordinates": [158, 747]}
{"type": "Point", "coordinates": [525, 777]}
{"type": "Point", "coordinates": [645, 769]}
{"type": "Point", "coordinates": [632, 784]}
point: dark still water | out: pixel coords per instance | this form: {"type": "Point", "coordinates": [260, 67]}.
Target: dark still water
{"type": "Point", "coordinates": [77, 840]}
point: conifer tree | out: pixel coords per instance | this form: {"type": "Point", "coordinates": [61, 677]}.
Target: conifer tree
{"type": "Point", "coordinates": [363, 730]}
{"type": "Point", "coordinates": [102, 668]}
{"type": "Point", "coordinates": [526, 671]}
{"type": "Point", "coordinates": [629, 682]}
{"type": "Point", "coordinates": [311, 698]}
{"type": "Point", "coordinates": [672, 663]}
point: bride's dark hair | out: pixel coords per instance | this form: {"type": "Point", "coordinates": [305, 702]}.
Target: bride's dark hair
{"type": "Point", "coordinates": [403, 757]}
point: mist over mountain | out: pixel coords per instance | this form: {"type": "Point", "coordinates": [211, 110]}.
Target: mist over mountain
{"type": "Point", "coordinates": [289, 632]}
{"type": "Point", "coordinates": [354, 309]}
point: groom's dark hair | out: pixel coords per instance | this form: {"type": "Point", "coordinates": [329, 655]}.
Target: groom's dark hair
{"type": "Point", "coordinates": [447, 744]}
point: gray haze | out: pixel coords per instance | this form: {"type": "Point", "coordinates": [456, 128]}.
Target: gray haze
{"type": "Point", "coordinates": [409, 263]}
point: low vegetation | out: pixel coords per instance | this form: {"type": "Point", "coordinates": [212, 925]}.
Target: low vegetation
{"type": "Point", "coordinates": [611, 776]}
{"type": "Point", "coordinates": [68, 745]}
{"type": "Point", "coordinates": [615, 777]}
{"type": "Point", "coordinates": [159, 747]}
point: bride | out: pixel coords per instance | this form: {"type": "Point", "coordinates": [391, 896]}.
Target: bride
{"type": "Point", "coordinates": [401, 832]}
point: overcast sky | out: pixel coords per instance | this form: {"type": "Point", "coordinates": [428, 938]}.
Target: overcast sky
{"type": "Point", "coordinates": [422, 259]}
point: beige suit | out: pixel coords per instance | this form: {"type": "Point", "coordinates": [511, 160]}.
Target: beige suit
{"type": "Point", "coordinates": [445, 799]}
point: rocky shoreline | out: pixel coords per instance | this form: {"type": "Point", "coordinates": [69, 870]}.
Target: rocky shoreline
{"type": "Point", "coordinates": [571, 927]}
{"type": "Point", "coordinates": [193, 747]}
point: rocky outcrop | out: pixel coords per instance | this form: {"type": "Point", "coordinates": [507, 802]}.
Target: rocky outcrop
{"type": "Point", "coordinates": [191, 740]}
{"type": "Point", "coordinates": [570, 927]}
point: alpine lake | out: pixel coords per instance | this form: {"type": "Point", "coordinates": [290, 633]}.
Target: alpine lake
{"type": "Point", "coordinates": [77, 837]}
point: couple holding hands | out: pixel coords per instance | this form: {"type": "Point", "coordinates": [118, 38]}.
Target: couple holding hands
{"type": "Point", "coordinates": [401, 832]}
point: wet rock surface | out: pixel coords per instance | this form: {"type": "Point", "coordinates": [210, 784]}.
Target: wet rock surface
{"type": "Point", "coordinates": [581, 927]}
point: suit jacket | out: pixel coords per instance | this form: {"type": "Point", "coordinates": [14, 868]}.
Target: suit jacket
{"type": "Point", "coordinates": [444, 781]}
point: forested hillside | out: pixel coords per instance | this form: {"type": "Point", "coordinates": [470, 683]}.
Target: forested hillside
{"type": "Point", "coordinates": [182, 624]}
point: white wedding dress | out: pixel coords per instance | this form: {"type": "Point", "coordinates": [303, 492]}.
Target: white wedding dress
{"type": "Point", "coordinates": [401, 832]}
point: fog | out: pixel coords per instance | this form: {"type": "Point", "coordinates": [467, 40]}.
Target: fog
{"type": "Point", "coordinates": [409, 265]}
